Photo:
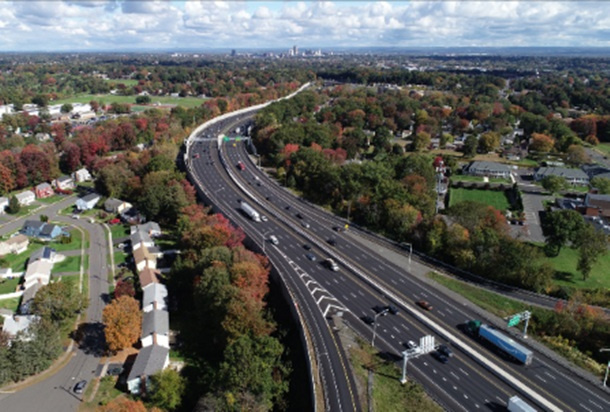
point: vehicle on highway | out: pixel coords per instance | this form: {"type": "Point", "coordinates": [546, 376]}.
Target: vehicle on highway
{"type": "Point", "coordinates": [331, 242]}
{"type": "Point", "coordinates": [250, 211]}
{"type": "Point", "coordinates": [269, 198]}
{"type": "Point", "coordinates": [75, 217]}
{"type": "Point", "coordinates": [299, 215]}
{"type": "Point", "coordinates": [311, 257]}
{"type": "Point", "coordinates": [337, 228]}
{"type": "Point", "coordinates": [306, 247]}
{"type": "Point", "coordinates": [332, 265]}
{"type": "Point", "coordinates": [516, 404]}
{"type": "Point", "coordinates": [241, 166]}
{"type": "Point", "coordinates": [273, 240]}
{"type": "Point", "coordinates": [445, 351]}
{"type": "Point", "coordinates": [80, 386]}
{"type": "Point", "coordinates": [196, 156]}
{"type": "Point", "coordinates": [368, 320]}
{"type": "Point", "coordinates": [501, 341]}
{"type": "Point", "coordinates": [380, 308]}
{"type": "Point", "coordinates": [288, 207]}
{"type": "Point", "coordinates": [393, 309]}
{"type": "Point", "coordinates": [440, 357]}
{"type": "Point", "coordinates": [424, 304]}
{"type": "Point", "coordinates": [305, 225]}
{"type": "Point", "coordinates": [411, 344]}
{"type": "Point", "coordinates": [264, 218]}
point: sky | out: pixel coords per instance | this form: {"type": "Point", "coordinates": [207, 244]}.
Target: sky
{"type": "Point", "coordinates": [131, 25]}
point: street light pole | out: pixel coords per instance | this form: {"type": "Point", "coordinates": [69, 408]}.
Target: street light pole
{"type": "Point", "coordinates": [607, 366]}
{"type": "Point", "coordinates": [264, 237]}
{"type": "Point", "coordinates": [382, 313]}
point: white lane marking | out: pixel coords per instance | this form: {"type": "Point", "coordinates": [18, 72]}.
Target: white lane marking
{"type": "Point", "coordinates": [393, 281]}
{"type": "Point", "coordinates": [596, 404]}
{"type": "Point", "coordinates": [393, 337]}
{"type": "Point", "coordinates": [477, 405]}
{"type": "Point", "coordinates": [404, 326]}
{"type": "Point", "coordinates": [345, 297]}
{"type": "Point", "coordinates": [464, 372]}
{"type": "Point", "coordinates": [353, 294]}
{"type": "Point", "coordinates": [584, 407]}
{"type": "Point", "coordinates": [401, 280]}
{"type": "Point", "coordinates": [448, 311]}
{"type": "Point", "coordinates": [396, 329]}
{"type": "Point", "coordinates": [465, 396]}
{"type": "Point", "coordinates": [360, 292]}
{"type": "Point", "coordinates": [549, 375]}
{"type": "Point", "coordinates": [501, 400]}
{"type": "Point", "coordinates": [540, 377]}
{"type": "Point", "coordinates": [455, 376]}
{"type": "Point", "coordinates": [441, 313]}
{"type": "Point", "coordinates": [454, 388]}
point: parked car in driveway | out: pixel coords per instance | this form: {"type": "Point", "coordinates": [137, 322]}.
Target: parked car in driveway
{"type": "Point", "coordinates": [80, 386]}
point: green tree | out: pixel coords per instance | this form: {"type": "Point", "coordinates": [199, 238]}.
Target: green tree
{"type": "Point", "coordinates": [13, 206]}
{"type": "Point", "coordinates": [560, 227]}
{"type": "Point", "coordinates": [577, 155]}
{"type": "Point", "coordinates": [421, 141]}
{"type": "Point", "coordinates": [592, 244]}
{"type": "Point", "coordinates": [554, 184]}
{"type": "Point", "coordinates": [470, 146]}
{"type": "Point", "coordinates": [602, 184]}
{"type": "Point", "coordinates": [58, 301]}
{"type": "Point", "coordinates": [143, 99]}
{"type": "Point", "coordinates": [489, 142]}
{"type": "Point", "coordinates": [66, 108]}
{"type": "Point", "coordinates": [167, 389]}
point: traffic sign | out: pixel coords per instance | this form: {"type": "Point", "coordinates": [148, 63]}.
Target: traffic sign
{"type": "Point", "coordinates": [238, 139]}
{"type": "Point", "coordinates": [514, 320]}
{"type": "Point", "coordinates": [226, 139]}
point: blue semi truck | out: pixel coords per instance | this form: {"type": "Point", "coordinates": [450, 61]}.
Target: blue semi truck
{"type": "Point", "coordinates": [501, 341]}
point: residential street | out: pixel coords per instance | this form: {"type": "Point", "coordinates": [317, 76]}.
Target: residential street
{"type": "Point", "coordinates": [55, 393]}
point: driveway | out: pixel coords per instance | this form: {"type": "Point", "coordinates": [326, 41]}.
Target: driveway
{"type": "Point", "coordinates": [532, 207]}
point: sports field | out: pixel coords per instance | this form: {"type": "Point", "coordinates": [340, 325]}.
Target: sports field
{"type": "Point", "coordinates": [111, 98]}
{"type": "Point", "coordinates": [488, 197]}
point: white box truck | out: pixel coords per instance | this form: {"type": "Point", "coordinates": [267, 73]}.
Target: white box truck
{"type": "Point", "coordinates": [516, 404]}
{"type": "Point", "coordinates": [249, 210]}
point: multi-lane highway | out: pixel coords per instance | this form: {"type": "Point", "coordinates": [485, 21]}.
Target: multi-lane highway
{"type": "Point", "coordinates": [364, 279]}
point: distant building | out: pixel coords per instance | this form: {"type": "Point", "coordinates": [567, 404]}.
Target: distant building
{"type": "Point", "coordinates": [113, 205]}
{"type": "Point", "coordinates": [41, 230]}
{"type": "Point", "coordinates": [572, 176]}
{"type": "Point", "coordinates": [44, 253]}
{"type": "Point", "coordinates": [143, 259]}
{"type": "Point", "coordinates": [64, 183]}
{"type": "Point", "coordinates": [595, 170]}
{"type": "Point", "coordinates": [82, 175]}
{"type": "Point", "coordinates": [43, 190]}
{"type": "Point", "coordinates": [488, 169]}
{"type": "Point", "coordinates": [37, 272]}
{"type": "Point", "coordinates": [597, 205]}
{"type": "Point", "coordinates": [87, 202]}
{"type": "Point", "coordinates": [17, 244]}
{"type": "Point", "coordinates": [26, 198]}
{"type": "Point", "coordinates": [16, 324]}
{"type": "Point", "coordinates": [148, 276]}
{"type": "Point", "coordinates": [151, 228]}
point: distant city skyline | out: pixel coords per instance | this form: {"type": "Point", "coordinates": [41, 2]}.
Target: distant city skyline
{"type": "Point", "coordinates": [108, 25]}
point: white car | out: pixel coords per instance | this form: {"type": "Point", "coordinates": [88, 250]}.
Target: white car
{"type": "Point", "coordinates": [264, 218]}
{"type": "Point", "coordinates": [305, 225]}
{"type": "Point", "coordinates": [75, 217]}
{"type": "Point", "coordinates": [411, 344]}
{"type": "Point", "coordinates": [332, 265]}
{"type": "Point", "coordinates": [273, 240]}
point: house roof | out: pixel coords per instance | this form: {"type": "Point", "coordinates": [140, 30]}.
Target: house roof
{"type": "Point", "coordinates": [47, 229]}
{"type": "Point", "coordinates": [35, 224]}
{"type": "Point", "coordinates": [140, 237]}
{"type": "Point", "coordinates": [64, 179]}
{"type": "Point", "coordinates": [90, 197]}
{"type": "Point", "coordinates": [38, 267]}
{"type": "Point", "coordinates": [562, 172]}
{"type": "Point", "coordinates": [597, 201]}
{"type": "Point", "coordinates": [15, 240]}
{"type": "Point", "coordinates": [155, 292]}
{"type": "Point", "coordinates": [15, 324]}
{"type": "Point", "coordinates": [148, 276]}
{"type": "Point", "coordinates": [150, 360]}
{"type": "Point", "coordinates": [83, 170]}
{"type": "Point", "coordinates": [113, 202]}
{"type": "Point", "coordinates": [148, 227]}
{"type": "Point", "coordinates": [29, 293]}
{"type": "Point", "coordinates": [491, 167]}
{"type": "Point", "coordinates": [155, 321]}
{"type": "Point", "coordinates": [42, 253]}
{"type": "Point", "coordinates": [27, 193]}
{"type": "Point", "coordinates": [3, 200]}
{"type": "Point", "coordinates": [43, 186]}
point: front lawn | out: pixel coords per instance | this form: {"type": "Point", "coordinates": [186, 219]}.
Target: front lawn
{"type": "Point", "coordinates": [106, 392]}
{"type": "Point", "coordinates": [70, 264]}
{"type": "Point", "coordinates": [24, 210]}
{"type": "Point", "coordinates": [51, 199]}
{"type": "Point", "coordinates": [74, 244]}
{"type": "Point", "coordinates": [17, 262]}
{"type": "Point", "coordinates": [8, 285]}
{"type": "Point", "coordinates": [119, 257]}
{"type": "Point", "coordinates": [487, 197]}
{"type": "Point", "coordinates": [119, 231]}
{"type": "Point", "coordinates": [10, 304]}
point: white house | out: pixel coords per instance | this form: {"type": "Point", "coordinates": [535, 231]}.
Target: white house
{"type": "Point", "coordinates": [16, 244]}
{"type": "Point", "coordinates": [154, 297]}
{"type": "Point", "coordinates": [26, 198]}
{"type": "Point", "coordinates": [152, 228]}
{"type": "Point", "coordinates": [87, 202]}
{"type": "Point", "coordinates": [155, 328]}
{"type": "Point", "coordinates": [37, 272]}
{"type": "Point", "coordinates": [82, 175]}
{"type": "Point", "coordinates": [3, 204]}
{"type": "Point", "coordinates": [64, 183]}
{"type": "Point", "coordinates": [141, 239]}
{"type": "Point", "coordinates": [149, 361]}
{"type": "Point", "coordinates": [113, 205]}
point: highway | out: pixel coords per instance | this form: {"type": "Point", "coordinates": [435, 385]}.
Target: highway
{"type": "Point", "coordinates": [462, 380]}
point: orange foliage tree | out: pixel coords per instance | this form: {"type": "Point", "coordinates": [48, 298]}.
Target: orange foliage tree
{"type": "Point", "coordinates": [123, 405]}
{"type": "Point", "coordinates": [122, 323]}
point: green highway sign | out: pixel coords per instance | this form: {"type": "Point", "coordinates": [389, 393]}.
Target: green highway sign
{"type": "Point", "coordinates": [226, 139]}
{"type": "Point", "coordinates": [238, 139]}
{"type": "Point", "coordinates": [514, 320]}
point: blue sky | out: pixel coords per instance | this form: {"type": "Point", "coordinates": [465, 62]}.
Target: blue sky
{"type": "Point", "coordinates": [165, 24]}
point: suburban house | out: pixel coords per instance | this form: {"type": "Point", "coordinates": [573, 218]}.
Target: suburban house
{"type": "Point", "coordinates": [140, 239]}
{"type": "Point", "coordinates": [154, 297]}
{"type": "Point", "coordinates": [148, 276]}
{"type": "Point", "coordinates": [87, 202]}
{"type": "Point", "coordinates": [597, 205]}
{"type": "Point", "coordinates": [572, 176]}
{"type": "Point", "coordinates": [17, 244]}
{"type": "Point", "coordinates": [42, 230]}
{"type": "Point", "coordinates": [64, 183]}
{"type": "Point", "coordinates": [26, 198]}
{"type": "Point", "coordinates": [28, 297]}
{"type": "Point", "coordinates": [595, 170]}
{"type": "Point", "coordinates": [488, 169]}
{"type": "Point", "coordinates": [149, 361]}
{"type": "Point", "coordinates": [82, 175]}
{"type": "Point", "coordinates": [155, 328]}
{"type": "Point", "coordinates": [132, 216]}
{"type": "Point", "coordinates": [3, 204]}
{"type": "Point", "coordinates": [113, 205]}
{"type": "Point", "coordinates": [44, 190]}
{"type": "Point", "coordinates": [151, 228]}
{"type": "Point", "coordinates": [37, 272]}
{"type": "Point", "coordinates": [15, 324]}
{"type": "Point", "coordinates": [44, 253]}
{"type": "Point", "coordinates": [144, 259]}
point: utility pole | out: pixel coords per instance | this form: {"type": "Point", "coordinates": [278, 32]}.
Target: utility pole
{"type": "Point", "coordinates": [382, 313]}
{"type": "Point", "coordinates": [607, 366]}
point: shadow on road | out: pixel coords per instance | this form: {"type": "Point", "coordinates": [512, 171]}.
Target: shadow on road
{"type": "Point", "coordinates": [90, 338]}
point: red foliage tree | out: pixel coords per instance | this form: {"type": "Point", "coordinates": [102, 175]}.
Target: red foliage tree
{"type": "Point", "coordinates": [124, 288]}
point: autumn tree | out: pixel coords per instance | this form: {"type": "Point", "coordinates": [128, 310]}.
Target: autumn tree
{"type": "Point", "coordinates": [488, 142]}
{"type": "Point", "coordinates": [122, 323]}
{"type": "Point", "coordinates": [541, 143]}
{"type": "Point", "coordinates": [122, 404]}
{"type": "Point", "coordinates": [421, 141]}
{"type": "Point", "coordinates": [6, 180]}
{"type": "Point", "coordinates": [124, 288]}
{"type": "Point", "coordinates": [577, 155]}
{"type": "Point", "coordinates": [167, 389]}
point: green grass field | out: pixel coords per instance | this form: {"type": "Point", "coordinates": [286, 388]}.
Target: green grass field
{"type": "Point", "coordinates": [119, 231]}
{"type": "Point", "coordinates": [110, 98]}
{"type": "Point", "coordinates": [8, 285]}
{"type": "Point", "coordinates": [50, 199]}
{"type": "Point", "coordinates": [75, 242]}
{"type": "Point", "coordinates": [70, 264]}
{"type": "Point", "coordinates": [126, 82]}
{"type": "Point", "coordinates": [10, 304]}
{"type": "Point", "coordinates": [568, 275]}
{"type": "Point", "coordinates": [488, 197]}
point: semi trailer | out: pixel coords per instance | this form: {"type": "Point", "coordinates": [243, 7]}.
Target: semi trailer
{"type": "Point", "coordinates": [250, 211]}
{"type": "Point", "coordinates": [501, 341]}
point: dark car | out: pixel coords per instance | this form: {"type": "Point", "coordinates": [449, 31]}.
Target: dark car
{"type": "Point", "coordinates": [379, 308]}
{"type": "Point", "coordinates": [337, 229]}
{"type": "Point", "coordinates": [288, 207]}
{"type": "Point", "coordinates": [393, 309]}
{"type": "Point", "coordinates": [440, 357]}
{"type": "Point", "coordinates": [306, 247]}
{"type": "Point", "coordinates": [311, 257]}
{"type": "Point", "coordinates": [332, 242]}
{"type": "Point", "coordinates": [368, 320]}
{"type": "Point", "coordinates": [115, 371]}
{"type": "Point", "coordinates": [424, 304]}
{"type": "Point", "coordinates": [196, 156]}
{"type": "Point", "coordinates": [445, 351]}
{"type": "Point", "coordinates": [80, 386]}
{"type": "Point", "coordinates": [300, 216]}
